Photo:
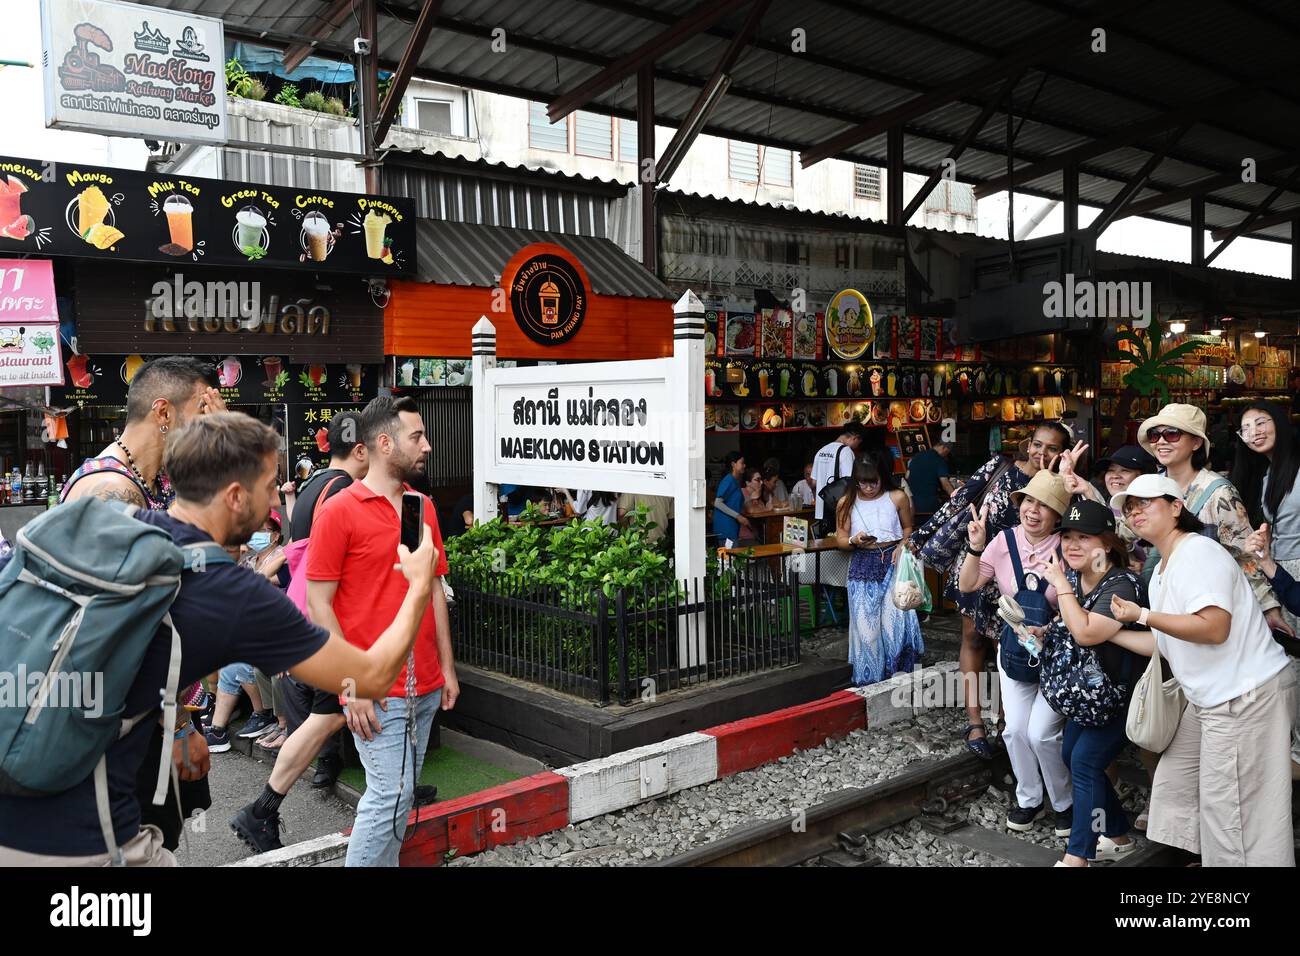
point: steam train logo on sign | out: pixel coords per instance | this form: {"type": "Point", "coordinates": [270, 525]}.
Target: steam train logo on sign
{"type": "Point", "coordinates": [548, 298]}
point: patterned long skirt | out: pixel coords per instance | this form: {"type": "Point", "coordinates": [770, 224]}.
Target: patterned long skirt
{"type": "Point", "coordinates": [883, 640]}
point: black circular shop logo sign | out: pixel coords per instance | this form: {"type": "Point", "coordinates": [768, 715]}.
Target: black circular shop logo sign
{"type": "Point", "coordinates": [548, 299]}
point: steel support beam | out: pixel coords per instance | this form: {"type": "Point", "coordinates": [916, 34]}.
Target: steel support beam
{"type": "Point", "coordinates": [701, 18]}
{"type": "Point", "coordinates": [1198, 230]}
{"type": "Point", "coordinates": [327, 23]}
{"type": "Point", "coordinates": [1207, 185]}
{"type": "Point", "coordinates": [1263, 222]}
{"type": "Point", "coordinates": [960, 147]}
{"type": "Point", "coordinates": [712, 93]}
{"type": "Point", "coordinates": [1245, 224]}
{"type": "Point", "coordinates": [1130, 189]}
{"type": "Point", "coordinates": [368, 77]}
{"type": "Point", "coordinates": [406, 67]}
{"type": "Point", "coordinates": [1040, 46]}
{"type": "Point", "coordinates": [1295, 248]}
{"type": "Point", "coordinates": [894, 178]}
{"type": "Point", "coordinates": [645, 150]}
{"type": "Point", "coordinates": [1070, 198]}
{"type": "Point", "coordinates": [1125, 136]}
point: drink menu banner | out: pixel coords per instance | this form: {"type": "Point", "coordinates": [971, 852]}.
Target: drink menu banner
{"type": "Point", "coordinates": [29, 331]}
{"type": "Point", "coordinates": [66, 209]}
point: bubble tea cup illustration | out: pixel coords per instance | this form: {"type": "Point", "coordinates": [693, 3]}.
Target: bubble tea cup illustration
{"type": "Point", "coordinates": [180, 222]}
{"type": "Point", "coordinates": [374, 226]}
{"type": "Point", "coordinates": [317, 237]}
{"type": "Point", "coordinates": [250, 235]}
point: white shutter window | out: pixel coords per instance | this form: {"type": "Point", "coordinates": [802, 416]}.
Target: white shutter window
{"type": "Point", "coordinates": [627, 140]}
{"type": "Point", "coordinates": [778, 166]}
{"type": "Point", "coordinates": [742, 161]}
{"type": "Point", "coordinates": [593, 135]}
{"type": "Point", "coordinates": [866, 182]}
{"type": "Point", "coordinates": [543, 134]}
{"type": "Point", "coordinates": [433, 116]}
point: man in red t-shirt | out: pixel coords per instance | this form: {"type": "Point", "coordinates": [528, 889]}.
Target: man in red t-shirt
{"type": "Point", "coordinates": [354, 585]}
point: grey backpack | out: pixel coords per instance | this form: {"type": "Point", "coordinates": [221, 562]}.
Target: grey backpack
{"type": "Point", "coordinates": [81, 599]}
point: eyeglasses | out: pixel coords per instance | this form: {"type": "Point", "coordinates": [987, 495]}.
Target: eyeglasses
{"type": "Point", "coordinates": [1258, 425]}
{"type": "Point", "coordinates": [1171, 436]}
{"type": "Point", "coordinates": [1132, 505]}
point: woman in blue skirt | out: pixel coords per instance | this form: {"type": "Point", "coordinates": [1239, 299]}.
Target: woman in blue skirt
{"type": "Point", "coordinates": [874, 521]}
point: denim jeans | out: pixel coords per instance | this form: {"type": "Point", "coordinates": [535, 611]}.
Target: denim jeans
{"type": "Point", "coordinates": [232, 676]}
{"type": "Point", "coordinates": [373, 841]}
{"type": "Point", "coordinates": [1088, 751]}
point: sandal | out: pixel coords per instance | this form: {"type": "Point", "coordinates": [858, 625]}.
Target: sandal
{"type": "Point", "coordinates": [274, 740]}
{"type": "Point", "coordinates": [980, 745]}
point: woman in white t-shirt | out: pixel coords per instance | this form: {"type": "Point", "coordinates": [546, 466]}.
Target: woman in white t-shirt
{"type": "Point", "coordinates": [597, 506]}
{"type": "Point", "coordinates": [1223, 787]}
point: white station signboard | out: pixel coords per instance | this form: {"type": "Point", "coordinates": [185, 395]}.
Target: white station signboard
{"type": "Point", "coordinates": [604, 426]}
{"type": "Point", "coordinates": [123, 69]}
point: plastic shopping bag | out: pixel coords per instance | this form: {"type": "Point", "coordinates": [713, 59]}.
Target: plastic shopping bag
{"type": "Point", "coordinates": [909, 591]}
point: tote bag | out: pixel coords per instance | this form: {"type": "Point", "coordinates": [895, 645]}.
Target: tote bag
{"type": "Point", "coordinates": [1157, 704]}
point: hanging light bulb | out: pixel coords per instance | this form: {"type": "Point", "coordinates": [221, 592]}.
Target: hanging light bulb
{"type": "Point", "coordinates": [1259, 329]}
{"type": "Point", "coordinates": [1177, 326]}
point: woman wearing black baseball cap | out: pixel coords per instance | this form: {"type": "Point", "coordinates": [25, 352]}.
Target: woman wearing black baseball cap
{"type": "Point", "coordinates": [1089, 669]}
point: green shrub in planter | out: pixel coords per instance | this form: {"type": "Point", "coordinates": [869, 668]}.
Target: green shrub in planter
{"type": "Point", "coordinates": [336, 106]}
{"type": "Point", "coordinates": [288, 95]}
{"type": "Point", "coordinates": [315, 100]}
{"type": "Point", "coordinates": [256, 90]}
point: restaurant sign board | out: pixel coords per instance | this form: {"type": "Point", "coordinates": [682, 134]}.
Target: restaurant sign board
{"type": "Point", "coordinates": [124, 69]}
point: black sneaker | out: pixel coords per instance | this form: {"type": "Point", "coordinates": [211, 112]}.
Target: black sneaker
{"type": "Point", "coordinates": [262, 722]}
{"type": "Point", "coordinates": [327, 771]}
{"type": "Point", "coordinates": [1021, 819]}
{"type": "Point", "coordinates": [218, 739]}
{"type": "Point", "coordinates": [261, 835]}
{"type": "Point", "coordinates": [1064, 822]}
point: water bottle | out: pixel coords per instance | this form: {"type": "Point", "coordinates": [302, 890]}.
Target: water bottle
{"type": "Point", "coordinates": [52, 495]}
{"type": "Point", "coordinates": [16, 486]}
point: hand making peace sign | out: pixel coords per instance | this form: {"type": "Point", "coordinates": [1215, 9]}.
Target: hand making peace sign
{"type": "Point", "coordinates": [977, 530]}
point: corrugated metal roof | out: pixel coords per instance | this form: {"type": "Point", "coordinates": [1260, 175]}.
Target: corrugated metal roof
{"type": "Point", "coordinates": [457, 253]}
{"type": "Point", "coordinates": [864, 57]}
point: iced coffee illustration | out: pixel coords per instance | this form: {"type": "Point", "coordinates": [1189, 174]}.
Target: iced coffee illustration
{"type": "Point", "coordinates": [317, 239]}
{"type": "Point", "coordinates": [250, 234]}
{"type": "Point", "coordinates": [230, 371]}
{"type": "Point", "coordinates": [90, 216]}
{"type": "Point", "coordinates": [374, 226]}
{"type": "Point", "coordinates": [180, 225]}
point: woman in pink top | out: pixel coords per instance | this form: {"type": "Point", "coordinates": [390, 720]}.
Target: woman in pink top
{"type": "Point", "coordinates": [1033, 732]}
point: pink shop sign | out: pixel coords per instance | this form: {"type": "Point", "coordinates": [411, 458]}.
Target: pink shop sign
{"type": "Point", "coordinates": [27, 292]}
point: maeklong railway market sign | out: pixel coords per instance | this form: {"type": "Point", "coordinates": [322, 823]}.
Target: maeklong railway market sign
{"type": "Point", "coordinates": [123, 69]}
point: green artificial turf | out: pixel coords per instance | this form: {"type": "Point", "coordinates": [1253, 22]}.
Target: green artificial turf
{"type": "Point", "coordinates": [454, 774]}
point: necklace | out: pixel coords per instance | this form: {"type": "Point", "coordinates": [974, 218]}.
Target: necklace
{"type": "Point", "coordinates": [160, 484]}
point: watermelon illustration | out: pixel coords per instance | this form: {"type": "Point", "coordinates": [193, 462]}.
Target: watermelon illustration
{"type": "Point", "coordinates": [13, 224]}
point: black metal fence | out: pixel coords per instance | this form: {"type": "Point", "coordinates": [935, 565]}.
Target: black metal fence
{"type": "Point", "coordinates": [632, 643]}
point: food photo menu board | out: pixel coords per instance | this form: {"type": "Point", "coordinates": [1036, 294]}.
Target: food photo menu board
{"type": "Point", "coordinates": [105, 213]}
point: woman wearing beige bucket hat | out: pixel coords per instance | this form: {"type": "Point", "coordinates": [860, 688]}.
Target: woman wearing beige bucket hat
{"type": "Point", "coordinates": [1176, 436]}
{"type": "Point", "coordinates": [1015, 560]}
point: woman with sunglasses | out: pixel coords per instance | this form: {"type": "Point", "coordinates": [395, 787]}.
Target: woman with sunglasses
{"type": "Point", "coordinates": [1177, 438]}
{"type": "Point", "coordinates": [1013, 561]}
{"type": "Point", "coordinates": [1223, 786]}
{"type": "Point", "coordinates": [999, 479]}
{"type": "Point", "coordinates": [873, 522]}
{"type": "Point", "coordinates": [752, 488]}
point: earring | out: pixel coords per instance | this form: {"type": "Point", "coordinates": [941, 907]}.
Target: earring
{"type": "Point", "coordinates": [163, 429]}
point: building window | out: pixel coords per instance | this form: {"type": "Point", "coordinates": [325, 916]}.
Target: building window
{"type": "Point", "coordinates": [627, 140]}
{"type": "Point", "coordinates": [543, 134]}
{"type": "Point", "coordinates": [866, 182]}
{"type": "Point", "coordinates": [593, 135]}
{"type": "Point", "coordinates": [433, 116]}
{"type": "Point", "coordinates": [742, 161]}
{"type": "Point", "coordinates": [778, 166]}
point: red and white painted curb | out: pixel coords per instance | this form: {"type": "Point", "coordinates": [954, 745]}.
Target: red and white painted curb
{"type": "Point", "coordinates": [553, 799]}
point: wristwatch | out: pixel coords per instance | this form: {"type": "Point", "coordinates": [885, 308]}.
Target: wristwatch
{"type": "Point", "coordinates": [1142, 617]}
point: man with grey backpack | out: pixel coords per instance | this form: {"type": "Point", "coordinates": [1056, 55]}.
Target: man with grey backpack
{"type": "Point", "coordinates": [137, 605]}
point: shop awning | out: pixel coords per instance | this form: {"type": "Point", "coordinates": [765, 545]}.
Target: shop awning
{"type": "Point", "coordinates": [456, 253]}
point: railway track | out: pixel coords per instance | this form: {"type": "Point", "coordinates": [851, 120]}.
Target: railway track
{"type": "Point", "coordinates": [835, 831]}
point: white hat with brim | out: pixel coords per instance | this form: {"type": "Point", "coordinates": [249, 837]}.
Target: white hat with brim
{"type": "Point", "coordinates": [1147, 486]}
{"type": "Point", "coordinates": [1047, 489]}
{"type": "Point", "coordinates": [1186, 418]}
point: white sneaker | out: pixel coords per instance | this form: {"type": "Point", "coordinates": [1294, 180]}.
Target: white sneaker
{"type": "Point", "coordinates": [1108, 849]}
{"type": "Point", "coordinates": [1141, 822]}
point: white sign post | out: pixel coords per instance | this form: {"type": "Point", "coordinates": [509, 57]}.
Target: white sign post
{"type": "Point", "coordinates": [635, 427]}
{"type": "Point", "coordinates": [124, 69]}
